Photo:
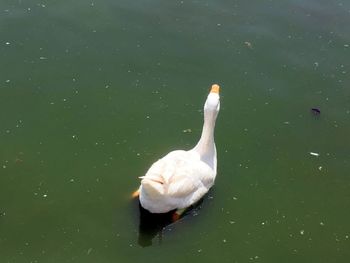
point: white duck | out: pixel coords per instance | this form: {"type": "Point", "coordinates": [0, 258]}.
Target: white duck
{"type": "Point", "coordinates": [181, 178]}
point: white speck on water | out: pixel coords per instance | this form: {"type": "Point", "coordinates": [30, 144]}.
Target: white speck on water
{"type": "Point", "coordinates": [44, 195]}
{"type": "Point", "coordinates": [7, 43]}
{"type": "Point", "coordinates": [71, 180]}
{"type": "Point", "coordinates": [89, 251]}
{"type": "Point", "coordinates": [286, 122]}
{"type": "Point", "coordinates": [248, 44]}
{"type": "Point", "coordinates": [199, 250]}
{"type": "Point", "coordinates": [224, 240]}
{"type": "Point", "coordinates": [52, 103]}
{"type": "Point", "coordinates": [314, 154]}
{"type": "Point", "coordinates": [302, 232]}
{"type": "Point", "coordinates": [321, 224]}
{"type": "Point", "coordinates": [234, 198]}
{"type": "Point", "coordinates": [42, 58]}
{"type": "Point", "coordinates": [232, 222]}
{"type": "Point", "coordinates": [320, 168]}
{"type": "Point", "coordinates": [7, 81]}
{"type": "Point", "coordinates": [346, 45]}
{"type": "Point", "coordinates": [4, 166]}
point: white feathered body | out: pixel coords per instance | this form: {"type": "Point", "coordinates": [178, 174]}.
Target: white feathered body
{"type": "Point", "coordinates": [183, 178]}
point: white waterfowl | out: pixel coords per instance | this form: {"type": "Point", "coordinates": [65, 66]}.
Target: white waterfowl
{"type": "Point", "coordinates": [181, 178]}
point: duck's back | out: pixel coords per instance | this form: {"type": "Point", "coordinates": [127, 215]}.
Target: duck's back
{"type": "Point", "coordinates": [176, 181]}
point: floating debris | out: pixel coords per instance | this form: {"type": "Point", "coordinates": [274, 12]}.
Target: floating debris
{"type": "Point", "coordinates": [316, 111]}
{"type": "Point", "coordinates": [314, 154]}
{"type": "Point", "coordinates": [186, 130]}
{"type": "Point", "coordinates": [248, 44]}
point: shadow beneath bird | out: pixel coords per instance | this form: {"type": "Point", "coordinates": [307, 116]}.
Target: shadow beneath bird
{"type": "Point", "coordinates": [152, 225]}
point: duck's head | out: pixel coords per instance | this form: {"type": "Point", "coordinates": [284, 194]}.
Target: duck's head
{"type": "Point", "coordinates": [212, 104]}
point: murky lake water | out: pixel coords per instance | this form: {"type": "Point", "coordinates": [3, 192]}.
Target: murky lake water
{"type": "Point", "coordinates": [91, 93]}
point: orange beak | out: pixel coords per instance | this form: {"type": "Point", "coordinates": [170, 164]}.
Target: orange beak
{"type": "Point", "coordinates": [215, 88]}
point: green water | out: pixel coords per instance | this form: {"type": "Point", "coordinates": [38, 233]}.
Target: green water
{"type": "Point", "coordinates": [91, 93]}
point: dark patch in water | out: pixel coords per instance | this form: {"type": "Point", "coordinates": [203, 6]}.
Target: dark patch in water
{"type": "Point", "coordinates": [316, 111]}
{"type": "Point", "coordinates": [152, 225]}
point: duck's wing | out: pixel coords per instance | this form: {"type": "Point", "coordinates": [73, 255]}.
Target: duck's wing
{"type": "Point", "coordinates": [189, 178]}
{"type": "Point", "coordinates": [178, 174]}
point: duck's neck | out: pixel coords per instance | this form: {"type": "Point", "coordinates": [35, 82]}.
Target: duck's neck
{"type": "Point", "coordinates": [206, 145]}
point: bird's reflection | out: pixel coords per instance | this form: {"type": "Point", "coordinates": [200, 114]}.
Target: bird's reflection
{"type": "Point", "coordinates": [152, 225]}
